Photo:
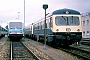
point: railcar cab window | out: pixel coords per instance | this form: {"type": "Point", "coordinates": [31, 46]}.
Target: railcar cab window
{"type": "Point", "coordinates": [16, 25]}
{"type": "Point", "coordinates": [67, 20]}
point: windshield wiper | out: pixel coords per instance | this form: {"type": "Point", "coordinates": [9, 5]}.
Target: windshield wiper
{"type": "Point", "coordinates": [66, 20]}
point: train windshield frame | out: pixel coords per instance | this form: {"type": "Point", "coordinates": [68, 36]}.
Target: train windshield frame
{"type": "Point", "coordinates": [67, 20]}
{"type": "Point", "coordinates": [15, 25]}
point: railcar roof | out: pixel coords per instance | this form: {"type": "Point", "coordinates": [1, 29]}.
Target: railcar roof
{"type": "Point", "coordinates": [66, 11]}
{"type": "Point", "coordinates": [15, 21]}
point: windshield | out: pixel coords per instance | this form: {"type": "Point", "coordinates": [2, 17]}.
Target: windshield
{"type": "Point", "coordinates": [67, 20]}
{"type": "Point", "coordinates": [15, 25]}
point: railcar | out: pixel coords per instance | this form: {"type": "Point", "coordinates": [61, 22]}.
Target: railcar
{"type": "Point", "coordinates": [63, 27]}
{"type": "Point", "coordinates": [3, 31]}
{"type": "Point", "coordinates": [15, 29]}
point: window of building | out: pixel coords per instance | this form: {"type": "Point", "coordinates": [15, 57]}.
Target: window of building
{"type": "Point", "coordinates": [83, 33]}
{"type": "Point", "coordinates": [83, 23]}
{"type": "Point", "coordinates": [87, 22]}
{"type": "Point", "coordinates": [87, 32]}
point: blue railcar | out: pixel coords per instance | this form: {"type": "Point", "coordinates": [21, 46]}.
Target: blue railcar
{"type": "Point", "coordinates": [15, 29]}
{"type": "Point", "coordinates": [3, 31]}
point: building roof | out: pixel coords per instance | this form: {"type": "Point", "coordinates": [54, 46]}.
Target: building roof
{"type": "Point", "coordinates": [66, 11]}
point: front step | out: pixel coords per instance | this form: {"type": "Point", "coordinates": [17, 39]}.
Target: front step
{"type": "Point", "coordinates": [85, 41]}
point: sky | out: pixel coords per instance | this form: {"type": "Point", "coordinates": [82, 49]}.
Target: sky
{"type": "Point", "coordinates": [34, 9]}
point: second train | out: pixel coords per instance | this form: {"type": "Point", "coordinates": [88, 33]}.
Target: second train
{"type": "Point", "coordinates": [63, 27]}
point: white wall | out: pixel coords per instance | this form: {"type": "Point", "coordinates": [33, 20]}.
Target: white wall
{"type": "Point", "coordinates": [86, 26]}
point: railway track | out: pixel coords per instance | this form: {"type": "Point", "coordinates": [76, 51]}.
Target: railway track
{"type": "Point", "coordinates": [20, 52]}
{"type": "Point", "coordinates": [82, 54]}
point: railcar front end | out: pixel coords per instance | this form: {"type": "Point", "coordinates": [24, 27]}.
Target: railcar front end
{"type": "Point", "coordinates": [15, 33]}
{"type": "Point", "coordinates": [66, 27]}
{"type": "Point", "coordinates": [15, 30]}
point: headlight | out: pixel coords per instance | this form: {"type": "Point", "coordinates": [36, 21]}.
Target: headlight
{"type": "Point", "coordinates": [20, 32]}
{"type": "Point", "coordinates": [57, 30]}
{"type": "Point", "coordinates": [78, 30]}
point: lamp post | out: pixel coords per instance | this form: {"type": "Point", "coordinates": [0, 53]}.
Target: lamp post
{"type": "Point", "coordinates": [18, 15]}
{"type": "Point", "coordinates": [24, 18]}
{"type": "Point", "coordinates": [45, 6]}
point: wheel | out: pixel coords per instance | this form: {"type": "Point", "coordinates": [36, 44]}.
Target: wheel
{"type": "Point", "coordinates": [57, 42]}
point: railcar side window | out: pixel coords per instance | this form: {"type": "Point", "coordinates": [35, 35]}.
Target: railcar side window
{"type": "Point", "coordinates": [47, 23]}
{"type": "Point", "coordinates": [41, 24]}
{"type": "Point", "coordinates": [31, 28]}
{"type": "Point", "coordinates": [50, 22]}
{"type": "Point", "coordinates": [0, 28]}
{"type": "Point", "coordinates": [37, 26]}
